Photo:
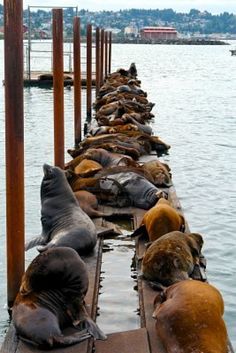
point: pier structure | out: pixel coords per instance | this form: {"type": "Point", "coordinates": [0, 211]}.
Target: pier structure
{"type": "Point", "coordinates": [144, 338]}
{"type": "Point", "coordinates": [38, 56]}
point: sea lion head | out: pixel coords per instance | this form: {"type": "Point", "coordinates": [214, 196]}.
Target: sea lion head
{"type": "Point", "coordinates": [53, 180]}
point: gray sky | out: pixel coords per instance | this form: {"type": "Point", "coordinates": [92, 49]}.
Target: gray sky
{"type": "Point", "coordinates": [213, 6]}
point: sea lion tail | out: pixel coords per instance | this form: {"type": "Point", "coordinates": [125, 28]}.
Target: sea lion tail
{"type": "Point", "coordinates": [39, 240]}
{"type": "Point", "coordinates": [93, 329]}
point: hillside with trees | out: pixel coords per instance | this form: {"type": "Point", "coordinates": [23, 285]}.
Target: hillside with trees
{"type": "Point", "coordinates": [189, 23]}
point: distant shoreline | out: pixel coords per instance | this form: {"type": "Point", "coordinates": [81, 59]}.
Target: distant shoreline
{"type": "Point", "coordinates": [181, 41]}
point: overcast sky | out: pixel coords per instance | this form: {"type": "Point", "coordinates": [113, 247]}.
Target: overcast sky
{"type": "Point", "coordinates": [213, 6]}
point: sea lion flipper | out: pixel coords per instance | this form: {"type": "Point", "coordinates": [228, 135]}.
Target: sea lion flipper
{"type": "Point", "coordinates": [139, 231]}
{"type": "Point", "coordinates": [77, 337]}
{"type": "Point", "coordinates": [93, 329]}
{"type": "Point", "coordinates": [38, 240]}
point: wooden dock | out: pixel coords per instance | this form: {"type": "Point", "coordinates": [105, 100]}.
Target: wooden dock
{"type": "Point", "coordinates": [141, 340]}
{"type": "Point", "coordinates": [45, 79]}
{"type": "Point", "coordinates": [144, 339]}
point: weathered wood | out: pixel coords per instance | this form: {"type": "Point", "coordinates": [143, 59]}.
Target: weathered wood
{"type": "Point", "coordinates": [135, 341]}
{"type": "Point", "coordinates": [58, 87]}
{"type": "Point", "coordinates": [77, 80]}
{"type": "Point", "coordinates": [14, 136]}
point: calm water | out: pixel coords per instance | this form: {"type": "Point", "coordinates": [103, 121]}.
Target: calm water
{"type": "Point", "coordinates": [194, 88]}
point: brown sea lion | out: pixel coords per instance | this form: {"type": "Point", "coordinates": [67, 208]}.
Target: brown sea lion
{"type": "Point", "coordinates": [87, 168]}
{"type": "Point", "coordinates": [189, 318]}
{"type": "Point", "coordinates": [160, 172]}
{"type": "Point", "coordinates": [172, 257]}
{"type": "Point", "coordinates": [64, 223]}
{"type": "Point", "coordinates": [159, 220]}
{"type": "Point", "coordinates": [100, 130]}
{"type": "Point", "coordinates": [51, 298]}
{"type": "Point", "coordinates": [89, 203]}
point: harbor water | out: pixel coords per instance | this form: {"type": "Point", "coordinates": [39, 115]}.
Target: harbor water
{"type": "Point", "coordinates": [194, 91]}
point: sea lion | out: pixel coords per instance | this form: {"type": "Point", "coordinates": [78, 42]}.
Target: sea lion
{"type": "Point", "coordinates": [119, 189]}
{"type": "Point", "coordinates": [160, 172]}
{"type": "Point", "coordinates": [64, 223]}
{"type": "Point", "coordinates": [102, 157]}
{"type": "Point", "coordinates": [51, 298]}
{"type": "Point", "coordinates": [172, 257]}
{"type": "Point", "coordinates": [189, 318]}
{"type": "Point", "coordinates": [159, 220]}
{"type": "Point", "coordinates": [89, 203]}
{"type": "Point", "coordinates": [87, 168]}
{"type": "Point", "coordinates": [100, 130]}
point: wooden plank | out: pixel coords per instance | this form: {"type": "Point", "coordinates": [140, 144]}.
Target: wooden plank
{"type": "Point", "coordinates": [135, 341]}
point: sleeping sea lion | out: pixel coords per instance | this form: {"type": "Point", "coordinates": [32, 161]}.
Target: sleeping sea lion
{"type": "Point", "coordinates": [172, 257]}
{"type": "Point", "coordinates": [159, 220]}
{"type": "Point", "coordinates": [64, 223]}
{"type": "Point", "coordinates": [189, 318]}
{"type": "Point", "coordinates": [51, 298]}
{"type": "Point", "coordinates": [89, 203]}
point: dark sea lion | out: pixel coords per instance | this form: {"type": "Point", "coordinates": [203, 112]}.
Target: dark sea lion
{"type": "Point", "coordinates": [64, 223]}
{"type": "Point", "coordinates": [172, 257]}
{"type": "Point", "coordinates": [119, 189]}
{"type": "Point", "coordinates": [51, 298]}
{"type": "Point", "coordinates": [189, 318]}
{"type": "Point", "coordinates": [131, 189]}
{"type": "Point", "coordinates": [159, 220]}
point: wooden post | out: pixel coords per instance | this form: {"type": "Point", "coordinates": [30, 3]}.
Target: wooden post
{"type": "Point", "coordinates": [89, 72]}
{"type": "Point", "coordinates": [77, 80]}
{"type": "Point", "coordinates": [110, 45]}
{"type": "Point", "coordinates": [98, 63]}
{"type": "Point", "coordinates": [106, 53]}
{"type": "Point", "coordinates": [58, 87]}
{"type": "Point", "coordinates": [102, 58]}
{"type": "Point", "coordinates": [14, 111]}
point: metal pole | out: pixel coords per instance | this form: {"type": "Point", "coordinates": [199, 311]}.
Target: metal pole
{"type": "Point", "coordinates": [106, 53]}
{"type": "Point", "coordinates": [98, 63]}
{"type": "Point", "coordinates": [58, 87]}
{"type": "Point", "coordinates": [110, 45]}
{"type": "Point", "coordinates": [102, 58]}
{"type": "Point", "coordinates": [77, 80]}
{"type": "Point", "coordinates": [14, 112]}
{"type": "Point", "coordinates": [89, 72]}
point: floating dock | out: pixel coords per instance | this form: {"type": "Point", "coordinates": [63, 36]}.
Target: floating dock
{"type": "Point", "coordinates": [45, 79]}
{"type": "Point", "coordinates": [141, 340]}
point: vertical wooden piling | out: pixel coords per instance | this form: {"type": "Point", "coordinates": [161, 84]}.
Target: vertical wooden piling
{"type": "Point", "coordinates": [58, 87]}
{"type": "Point", "coordinates": [110, 46]}
{"type": "Point", "coordinates": [106, 53]}
{"type": "Point", "coordinates": [97, 59]}
{"type": "Point", "coordinates": [89, 72]}
{"type": "Point", "coordinates": [102, 58]}
{"type": "Point", "coordinates": [14, 111]}
{"type": "Point", "coordinates": [77, 80]}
